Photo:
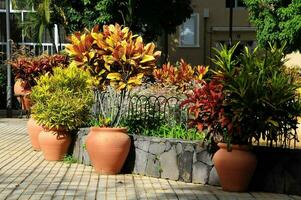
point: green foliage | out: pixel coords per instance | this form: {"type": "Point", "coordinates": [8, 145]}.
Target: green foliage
{"type": "Point", "coordinates": [277, 22]}
{"type": "Point", "coordinates": [100, 122]}
{"type": "Point", "coordinates": [174, 131]}
{"type": "Point", "coordinates": [69, 159]}
{"type": "Point", "coordinates": [28, 68]}
{"type": "Point", "coordinates": [147, 17]}
{"type": "Point", "coordinates": [47, 14]}
{"type": "Point", "coordinates": [260, 99]}
{"type": "Point", "coordinates": [63, 99]}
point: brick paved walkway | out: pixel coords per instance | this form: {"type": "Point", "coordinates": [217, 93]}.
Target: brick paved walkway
{"type": "Point", "coordinates": [25, 175]}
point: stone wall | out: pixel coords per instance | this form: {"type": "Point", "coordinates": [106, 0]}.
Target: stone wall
{"type": "Point", "coordinates": [278, 170]}
{"type": "Point", "coordinates": [162, 158]}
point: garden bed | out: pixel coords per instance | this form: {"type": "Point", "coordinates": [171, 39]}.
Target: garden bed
{"type": "Point", "coordinates": [278, 169]}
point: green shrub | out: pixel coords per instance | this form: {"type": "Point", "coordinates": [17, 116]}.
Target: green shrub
{"type": "Point", "coordinates": [63, 99]}
{"type": "Point", "coordinates": [174, 131]}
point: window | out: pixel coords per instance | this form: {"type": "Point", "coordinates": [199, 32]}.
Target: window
{"type": "Point", "coordinates": [235, 4]}
{"type": "Point", "coordinates": [2, 4]}
{"type": "Point", "coordinates": [189, 32]}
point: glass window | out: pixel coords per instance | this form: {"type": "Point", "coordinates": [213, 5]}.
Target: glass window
{"type": "Point", "coordinates": [240, 4]}
{"type": "Point", "coordinates": [230, 3]}
{"type": "Point", "coordinates": [2, 4]}
{"type": "Point", "coordinates": [189, 32]}
{"type": "Point", "coordinates": [20, 5]}
{"type": "Point", "coordinates": [235, 3]}
{"type": "Point", "coordinates": [15, 27]}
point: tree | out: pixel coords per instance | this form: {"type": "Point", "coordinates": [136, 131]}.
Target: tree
{"type": "Point", "coordinates": [150, 18]}
{"type": "Point", "coordinates": [47, 14]}
{"type": "Point", "coordinates": [277, 22]}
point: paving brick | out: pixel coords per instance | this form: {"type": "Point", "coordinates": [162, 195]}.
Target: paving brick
{"type": "Point", "coordinates": [26, 175]}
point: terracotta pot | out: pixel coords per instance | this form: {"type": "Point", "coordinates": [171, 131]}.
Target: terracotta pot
{"type": "Point", "coordinates": [54, 143]}
{"type": "Point", "coordinates": [24, 100]}
{"type": "Point", "coordinates": [235, 168]}
{"type": "Point", "coordinates": [108, 149]}
{"type": "Point", "coordinates": [26, 103]}
{"type": "Point", "coordinates": [33, 131]}
{"type": "Point", "coordinates": [19, 89]}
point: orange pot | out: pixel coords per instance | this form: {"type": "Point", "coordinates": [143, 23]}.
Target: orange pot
{"type": "Point", "coordinates": [19, 89]}
{"type": "Point", "coordinates": [108, 149]}
{"type": "Point", "coordinates": [235, 168]}
{"type": "Point", "coordinates": [33, 131]}
{"type": "Point", "coordinates": [24, 100]}
{"type": "Point", "coordinates": [54, 143]}
{"type": "Point", "coordinates": [26, 103]}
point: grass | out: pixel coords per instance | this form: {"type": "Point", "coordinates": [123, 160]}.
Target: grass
{"type": "Point", "coordinates": [176, 132]}
{"type": "Point", "coordinates": [69, 159]}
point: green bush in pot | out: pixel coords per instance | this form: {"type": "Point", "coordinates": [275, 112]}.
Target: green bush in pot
{"type": "Point", "coordinates": [62, 102]}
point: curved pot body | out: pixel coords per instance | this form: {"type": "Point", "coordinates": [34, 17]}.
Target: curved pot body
{"type": "Point", "coordinates": [33, 131]}
{"type": "Point", "coordinates": [24, 100]}
{"type": "Point", "coordinates": [18, 88]}
{"type": "Point", "coordinates": [235, 168]}
{"type": "Point", "coordinates": [26, 103]}
{"type": "Point", "coordinates": [108, 149]}
{"type": "Point", "coordinates": [54, 143]}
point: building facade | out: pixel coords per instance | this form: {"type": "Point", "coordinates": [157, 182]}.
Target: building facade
{"type": "Point", "coordinates": [207, 27]}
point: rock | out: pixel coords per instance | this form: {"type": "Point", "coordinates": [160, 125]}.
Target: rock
{"type": "Point", "coordinates": [142, 144]}
{"type": "Point", "coordinates": [76, 149]}
{"type": "Point", "coordinates": [169, 165]}
{"type": "Point", "coordinates": [204, 157]}
{"type": "Point", "coordinates": [185, 166]}
{"type": "Point", "coordinates": [83, 132]}
{"type": "Point", "coordinates": [179, 148]}
{"type": "Point", "coordinates": [140, 161]}
{"type": "Point", "coordinates": [213, 177]}
{"type": "Point", "coordinates": [167, 146]}
{"type": "Point", "coordinates": [157, 148]}
{"type": "Point", "coordinates": [200, 173]}
{"type": "Point", "coordinates": [189, 147]}
{"type": "Point", "coordinates": [153, 166]}
{"type": "Point", "coordinates": [86, 158]}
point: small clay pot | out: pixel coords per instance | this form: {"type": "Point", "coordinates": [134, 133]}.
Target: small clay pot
{"type": "Point", "coordinates": [108, 149]}
{"type": "Point", "coordinates": [33, 131]}
{"type": "Point", "coordinates": [54, 143]}
{"type": "Point", "coordinates": [235, 168]}
{"type": "Point", "coordinates": [24, 99]}
{"type": "Point", "coordinates": [19, 89]}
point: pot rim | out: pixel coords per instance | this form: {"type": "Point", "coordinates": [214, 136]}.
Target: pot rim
{"type": "Point", "coordinates": [97, 128]}
{"type": "Point", "coordinates": [243, 147]}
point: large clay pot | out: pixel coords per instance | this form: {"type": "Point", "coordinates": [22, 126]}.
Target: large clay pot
{"type": "Point", "coordinates": [235, 168]}
{"type": "Point", "coordinates": [108, 149]}
{"type": "Point", "coordinates": [54, 143]}
{"type": "Point", "coordinates": [33, 131]}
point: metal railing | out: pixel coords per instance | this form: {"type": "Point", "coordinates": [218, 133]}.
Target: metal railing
{"type": "Point", "coordinates": [148, 112]}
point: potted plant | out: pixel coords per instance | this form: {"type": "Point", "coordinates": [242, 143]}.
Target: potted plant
{"type": "Point", "coordinates": [27, 70]}
{"type": "Point", "coordinates": [115, 57]}
{"type": "Point", "coordinates": [248, 98]}
{"type": "Point", "coordinates": [62, 103]}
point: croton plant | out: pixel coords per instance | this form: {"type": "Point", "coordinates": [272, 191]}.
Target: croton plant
{"type": "Point", "coordinates": [113, 55]}
{"type": "Point", "coordinates": [180, 75]}
{"type": "Point", "coordinates": [117, 59]}
{"type": "Point", "coordinates": [28, 69]}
